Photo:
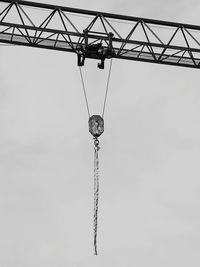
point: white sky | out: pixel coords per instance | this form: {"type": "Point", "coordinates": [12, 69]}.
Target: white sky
{"type": "Point", "coordinates": [149, 157]}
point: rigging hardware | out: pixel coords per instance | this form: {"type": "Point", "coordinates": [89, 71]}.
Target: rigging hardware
{"type": "Point", "coordinates": [95, 51]}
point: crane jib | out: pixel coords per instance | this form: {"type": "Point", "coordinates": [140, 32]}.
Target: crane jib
{"type": "Point", "coordinates": [99, 35]}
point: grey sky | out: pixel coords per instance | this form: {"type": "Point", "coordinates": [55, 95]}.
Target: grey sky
{"type": "Point", "coordinates": [149, 157]}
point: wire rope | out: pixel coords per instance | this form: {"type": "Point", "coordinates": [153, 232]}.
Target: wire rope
{"type": "Point", "coordinates": [84, 91]}
{"type": "Point", "coordinates": [106, 92]}
{"type": "Point", "coordinates": [107, 86]}
{"type": "Point", "coordinates": [96, 158]}
{"type": "Point", "coordinates": [96, 196]}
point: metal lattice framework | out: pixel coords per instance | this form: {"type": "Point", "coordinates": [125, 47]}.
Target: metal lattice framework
{"type": "Point", "coordinates": [99, 35]}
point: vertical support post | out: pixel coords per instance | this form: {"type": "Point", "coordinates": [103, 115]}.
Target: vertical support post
{"type": "Point", "coordinates": [110, 36]}
{"type": "Point", "coordinates": [85, 32]}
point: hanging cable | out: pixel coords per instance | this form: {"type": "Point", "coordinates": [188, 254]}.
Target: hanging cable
{"type": "Point", "coordinates": [96, 128]}
{"type": "Point", "coordinates": [107, 86]}
{"type": "Point", "coordinates": [96, 194]}
{"type": "Point", "coordinates": [84, 91]}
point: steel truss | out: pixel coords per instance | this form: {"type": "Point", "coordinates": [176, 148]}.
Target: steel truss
{"type": "Point", "coordinates": [99, 35]}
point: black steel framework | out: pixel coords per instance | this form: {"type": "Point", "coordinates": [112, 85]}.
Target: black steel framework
{"type": "Point", "coordinates": [99, 35]}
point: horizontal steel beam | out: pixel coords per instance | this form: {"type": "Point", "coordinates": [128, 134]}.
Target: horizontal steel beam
{"type": "Point", "coordinates": [107, 15]}
{"type": "Point", "coordinates": [147, 39]}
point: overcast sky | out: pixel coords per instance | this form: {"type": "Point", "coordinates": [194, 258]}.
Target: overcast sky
{"type": "Point", "coordinates": [149, 158]}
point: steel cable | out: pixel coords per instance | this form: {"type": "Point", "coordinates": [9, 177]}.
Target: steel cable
{"type": "Point", "coordinates": [107, 86]}
{"type": "Point", "coordinates": [96, 196]}
{"type": "Point", "coordinates": [85, 95]}
{"type": "Point", "coordinates": [96, 159]}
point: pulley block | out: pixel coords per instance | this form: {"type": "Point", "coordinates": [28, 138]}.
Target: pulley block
{"type": "Point", "coordinates": [96, 125]}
